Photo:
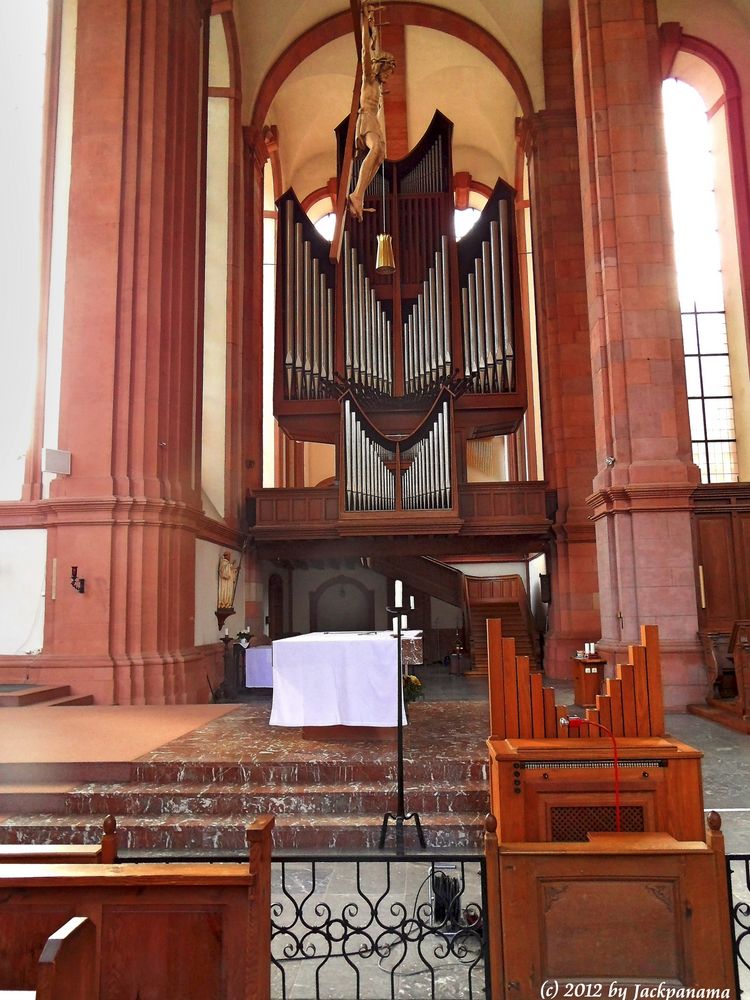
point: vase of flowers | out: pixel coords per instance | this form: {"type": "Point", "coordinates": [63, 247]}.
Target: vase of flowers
{"type": "Point", "coordinates": [412, 688]}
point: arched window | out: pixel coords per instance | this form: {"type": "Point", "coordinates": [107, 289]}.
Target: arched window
{"type": "Point", "coordinates": [701, 278]}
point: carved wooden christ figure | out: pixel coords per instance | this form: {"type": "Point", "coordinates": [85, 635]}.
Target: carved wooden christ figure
{"type": "Point", "coordinates": [377, 66]}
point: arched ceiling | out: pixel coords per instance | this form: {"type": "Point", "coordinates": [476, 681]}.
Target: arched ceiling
{"type": "Point", "coordinates": [443, 73]}
{"type": "Point", "coordinates": [266, 29]}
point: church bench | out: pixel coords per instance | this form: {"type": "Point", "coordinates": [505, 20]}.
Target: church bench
{"type": "Point", "coordinates": [172, 931]}
{"type": "Point", "coordinates": [105, 852]}
{"type": "Point", "coordinates": [66, 966]}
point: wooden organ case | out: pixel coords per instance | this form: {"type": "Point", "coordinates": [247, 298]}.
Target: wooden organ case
{"type": "Point", "coordinates": [399, 370]}
{"type": "Point", "coordinates": [597, 837]}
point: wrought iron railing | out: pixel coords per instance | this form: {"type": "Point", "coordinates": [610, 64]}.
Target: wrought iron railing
{"type": "Point", "coordinates": [362, 926]}
{"type": "Point", "coordinates": [738, 875]}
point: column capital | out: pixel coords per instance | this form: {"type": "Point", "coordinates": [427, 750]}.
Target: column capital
{"type": "Point", "coordinates": [255, 140]}
{"type": "Point", "coordinates": [633, 497]}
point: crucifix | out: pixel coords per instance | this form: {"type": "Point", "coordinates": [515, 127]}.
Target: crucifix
{"type": "Point", "coordinates": [366, 128]}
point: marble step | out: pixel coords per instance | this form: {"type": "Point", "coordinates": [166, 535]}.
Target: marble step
{"type": "Point", "coordinates": [226, 800]}
{"type": "Point", "coordinates": [333, 771]}
{"type": "Point", "coordinates": [180, 833]}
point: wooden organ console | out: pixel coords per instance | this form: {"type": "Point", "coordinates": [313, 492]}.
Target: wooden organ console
{"type": "Point", "coordinates": [396, 369]}
{"type": "Point", "coordinates": [597, 835]}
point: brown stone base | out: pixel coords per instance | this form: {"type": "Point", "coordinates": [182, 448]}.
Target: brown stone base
{"type": "Point", "coordinates": [347, 734]}
{"type": "Point", "coordinates": [724, 718]}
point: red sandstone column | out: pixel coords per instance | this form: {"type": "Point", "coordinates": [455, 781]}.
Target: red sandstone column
{"type": "Point", "coordinates": [645, 474]}
{"type": "Point", "coordinates": [131, 382]}
{"type": "Point", "coordinates": [256, 154]}
{"type": "Point", "coordinates": [564, 353]}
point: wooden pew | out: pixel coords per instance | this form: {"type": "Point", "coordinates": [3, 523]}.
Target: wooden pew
{"type": "Point", "coordinates": [105, 852]}
{"type": "Point", "coordinates": [66, 967]}
{"type": "Point", "coordinates": [172, 931]}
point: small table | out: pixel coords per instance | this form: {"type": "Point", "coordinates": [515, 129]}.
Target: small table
{"type": "Point", "coordinates": [588, 672]}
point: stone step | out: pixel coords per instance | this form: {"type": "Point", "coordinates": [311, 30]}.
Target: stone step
{"type": "Point", "coordinates": [329, 772]}
{"type": "Point", "coordinates": [201, 833]}
{"type": "Point", "coordinates": [243, 800]}
{"type": "Point", "coordinates": [43, 798]}
{"type": "Point", "coordinates": [31, 695]}
{"type": "Point", "coordinates": [71, 699]}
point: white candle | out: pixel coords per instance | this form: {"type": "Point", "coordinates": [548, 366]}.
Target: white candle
{"type": "Point", "coordinates": [411, 602]}
{"type": "Point", "coordinates": [395, 626]}
{"type": "Point", "coordinates": [398, 594]}
{"type": "Point", "coordinates": [226, 630]}
{"type": "Point", "coordinates": [403, 621]}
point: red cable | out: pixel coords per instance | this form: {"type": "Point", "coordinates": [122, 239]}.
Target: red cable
{"type": "Point", "coordinates": [575, 723]}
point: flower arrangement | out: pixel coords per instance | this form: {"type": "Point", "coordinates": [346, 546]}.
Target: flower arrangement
{"type": "Point", "coordinates": [244, 636]}
{"type": "Point", "coordinates": [412, 688]}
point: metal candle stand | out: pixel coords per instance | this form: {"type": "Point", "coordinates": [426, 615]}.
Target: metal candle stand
{"type": "Point", "coordinates": [401, 816]}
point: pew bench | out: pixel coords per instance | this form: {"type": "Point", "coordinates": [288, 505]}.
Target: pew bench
{"type": "Point", "coordinates": [66, 967]}
{"type": "Point", "coordinates": [173, 931]}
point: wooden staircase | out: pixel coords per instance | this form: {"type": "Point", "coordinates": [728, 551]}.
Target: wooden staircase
{"type": "Point", "coordinates": [501, 597]}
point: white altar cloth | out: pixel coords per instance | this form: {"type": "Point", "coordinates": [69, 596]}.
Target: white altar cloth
{"type": "Point", "coordinates": [258, 667]}
{"type": "Point", "coordinates": [335, 679]}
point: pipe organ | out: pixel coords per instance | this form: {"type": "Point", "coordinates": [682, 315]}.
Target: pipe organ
{"type": "Point", "coordinates": [367, 327]}
{"type": "Point", "coordinates": [426, 479]}
{"type": "Point", "coordinates": [487, 302]}
{"type": "Point", "coordinates": [412, 473]}
{"type": "Point", "coordinates": [308, 288]}
{"type": "Point", "coordinates": [363, 358]}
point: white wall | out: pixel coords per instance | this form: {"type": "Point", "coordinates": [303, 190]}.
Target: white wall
{"type": "Point", "coordinates": [207, 555]}
{"type": "Point", "coordinates": [23, 556]}
{"type": "Point", "coordinates": [444, 615]}
{"type": "Point", "coordinates": [307, 580]}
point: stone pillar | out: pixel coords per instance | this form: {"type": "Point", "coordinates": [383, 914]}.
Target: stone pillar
{"type": "Point", "coordinates": [256, 155]}
{"type": "Point", "coordinates": [131, 367]}
{"type": "Point", "coordinates": [645, 475]}
{"type": "Point", "coordinates": [564, 352]}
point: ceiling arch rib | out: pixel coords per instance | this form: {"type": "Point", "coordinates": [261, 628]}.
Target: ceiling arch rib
{"type": "Point", "coordinates": [406, 14]}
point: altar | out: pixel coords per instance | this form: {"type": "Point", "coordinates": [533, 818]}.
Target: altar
{"type": "Point", "coordinates": [336, 679]}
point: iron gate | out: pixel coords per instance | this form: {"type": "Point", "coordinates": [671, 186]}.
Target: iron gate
{"type": "Point", "coordinates": [379, 927]}
{"type": "Point", "coordinates": [738, 875]}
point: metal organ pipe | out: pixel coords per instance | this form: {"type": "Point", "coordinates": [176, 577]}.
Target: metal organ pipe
{"type": "Point", "coordinates": [289, 297]}
{"type": "Point", "coordinates": [299, 284]}
{"type": "Point", "coordinates": [507, 299]}
{"type": "Point", "coordinates": [369, 484]}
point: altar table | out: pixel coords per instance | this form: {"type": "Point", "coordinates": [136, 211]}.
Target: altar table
{"type": "Point", "coordinates": [336, 679]}
{"type": "Point", "coordinates": [258, 667]}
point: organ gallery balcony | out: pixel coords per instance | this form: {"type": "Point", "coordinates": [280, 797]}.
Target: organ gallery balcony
{"type": "Point", "coordinates": [515, 515]}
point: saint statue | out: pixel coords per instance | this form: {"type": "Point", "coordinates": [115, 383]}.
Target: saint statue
{"type": "Point", "coordinates": [377, 66]}
{"type": "Point", "coordinates": [228, 571]}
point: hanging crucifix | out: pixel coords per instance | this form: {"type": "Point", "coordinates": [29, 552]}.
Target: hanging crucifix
{"type": "Point", "coordinates": [366, 130]}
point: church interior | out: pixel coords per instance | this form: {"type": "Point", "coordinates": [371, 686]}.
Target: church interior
{"type": "Point", "coordinates": [368, 353]}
